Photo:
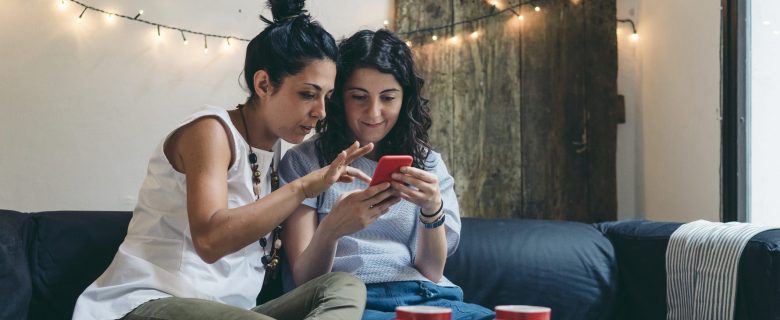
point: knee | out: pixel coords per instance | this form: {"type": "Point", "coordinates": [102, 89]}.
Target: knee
{"type": "Point", "coordinates": [339, 281]}
{"type": "Point", "coordinates": [344, 279]}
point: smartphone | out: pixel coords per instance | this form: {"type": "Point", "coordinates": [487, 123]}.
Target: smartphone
{"type": "Point", "coordinates": [387, 166]}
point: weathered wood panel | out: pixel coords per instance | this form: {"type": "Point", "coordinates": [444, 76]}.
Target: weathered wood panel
{"type": "Point", "coordinates": [524, 114]}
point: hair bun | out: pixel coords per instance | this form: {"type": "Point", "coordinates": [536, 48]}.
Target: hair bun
{"type": "Point", "coordinates": [286, 9]}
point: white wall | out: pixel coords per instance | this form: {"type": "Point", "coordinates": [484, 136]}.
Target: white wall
{"type": "Point", "coordinates": [83, 104]}
{"type": "Point", "coordinates": [671, 79]}
{"type": "Point", "coordinates": [764, 112]}
{"type": "Point", "coordinates": [628, 86]}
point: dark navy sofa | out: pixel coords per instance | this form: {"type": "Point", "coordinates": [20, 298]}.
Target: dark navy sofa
{"type": "Point", "coordinates": [612, 270]}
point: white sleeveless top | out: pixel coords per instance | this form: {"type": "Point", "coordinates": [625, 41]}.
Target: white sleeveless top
{"type": "Point", "coordinates": [157, 258]}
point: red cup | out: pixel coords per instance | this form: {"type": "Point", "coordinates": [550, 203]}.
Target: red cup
{"type": "Point", "coordinates": [518, 312]}
{"type": "Point", "coordinates": [422, 313]}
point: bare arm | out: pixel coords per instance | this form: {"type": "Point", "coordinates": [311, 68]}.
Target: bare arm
{"type": "Point", "coordinates": [311, 248]}
{"type": "Point", "coordinates": [203, 154]}
{"type": "Point", "coordinates": [307, 259]}
{"type": "Point", "coordinates": [423, 190]}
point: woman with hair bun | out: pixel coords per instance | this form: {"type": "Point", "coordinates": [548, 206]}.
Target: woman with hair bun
{"type": "Point", "coordinates": [395, 238]}
{"type": "Point", "coordinates": [205, 229]}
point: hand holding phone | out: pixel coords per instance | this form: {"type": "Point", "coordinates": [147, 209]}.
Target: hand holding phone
{"type": "Point", "coordinates": [388, 165]}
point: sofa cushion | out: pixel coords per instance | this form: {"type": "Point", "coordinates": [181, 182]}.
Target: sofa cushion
{"type": "Point", "coordinates": [15, 288]}
{"type": "Point", "coordinates": [70, 250]}
{"type": "Point", "coordinates": [567, 266]}
{"type": "Point", "coordinates": [640, 248]}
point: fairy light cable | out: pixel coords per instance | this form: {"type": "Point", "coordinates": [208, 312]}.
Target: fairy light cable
{"type": "Point", "coordinates": [154, 24]}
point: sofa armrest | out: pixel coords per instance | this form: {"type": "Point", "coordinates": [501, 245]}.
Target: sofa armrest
{"type": "Point", "coordinates": [68, 252]}
{"type": "Point", "coordinates": [15, 285]}
{"type": "Point", "coordinates": [567, 266]}
{"type": "Point", "coordinates": [640, 248]}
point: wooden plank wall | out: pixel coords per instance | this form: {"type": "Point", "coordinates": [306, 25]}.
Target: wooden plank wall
{"type": "Point", "coordinates": [525, 114]}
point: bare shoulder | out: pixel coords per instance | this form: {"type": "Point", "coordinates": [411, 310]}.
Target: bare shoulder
{"type": "Point", "coordinates": [201, 142]}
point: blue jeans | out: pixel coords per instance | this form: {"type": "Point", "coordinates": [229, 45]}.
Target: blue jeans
{"type": "Point", "coordinates": [382, 298]}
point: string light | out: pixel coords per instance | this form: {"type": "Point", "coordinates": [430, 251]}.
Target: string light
{"type": "Point", "coordinates": [62, 4]}
{"type": "Point", "coordinates": [451, 26]}
{"type": "Point", "coordinates": [110, 17]}
{"type": "Point", "coordinates": [82, 14]}
{"type": "Point", "coordinates": [519, 16]}
{"type": "Point", "coordinates": [494, 11]}
{"type": "Point", "coordinates": [430, 30]}
{"type": "Point", "coordinates": [634, 35]}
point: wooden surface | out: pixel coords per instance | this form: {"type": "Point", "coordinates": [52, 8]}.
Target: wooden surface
{"type": "Point", "coordinates": [525, 115]}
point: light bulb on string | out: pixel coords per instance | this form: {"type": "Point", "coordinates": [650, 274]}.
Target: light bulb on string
{"type": "Point", "coordinates": [434, 37]}
{"type": "Point", "coordinates": [159, 34]}
{"type": "Point", "coordinates": [140, 12]}
{"type": "Point", "coordinates": [205, 44]}
{"type": "Point", "coordinates": [520, 17]}
{"type": "Point", "coordinates": [454, 39]}
{"type": "Point", "coordinates": [227, 43]}
{"type": "Point", "coordinates": [386, 23]}
{"type": "Point", "coordinates": [409, 44]}
{"type": "Point", "coordinates": [537, 9]}
{"type": "Point", "coordinates": [634, 35]}
{"type": "Point", "coordinates": [183, 38]}
{"type": "Point", "coordinates": [82, 14]}
{"type": "Point", "coordinates": [109, 17]}
{"type": "Point", "coordinates": [62, 4]}
{"type": "Point", "coordinates": [475, 35]}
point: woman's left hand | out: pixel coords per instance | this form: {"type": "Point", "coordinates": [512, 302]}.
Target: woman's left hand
{"type": "Point", "coordinates": [419, 187]}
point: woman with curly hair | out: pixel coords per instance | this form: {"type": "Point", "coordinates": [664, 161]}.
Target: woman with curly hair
{"type": "Point", "coordinates": [395, 236]}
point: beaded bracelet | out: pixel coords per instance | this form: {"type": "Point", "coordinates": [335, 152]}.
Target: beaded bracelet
{"type": "Point", "coordinates": [431, 215]}
{"type": "Point", "coordinates": [435, 224]}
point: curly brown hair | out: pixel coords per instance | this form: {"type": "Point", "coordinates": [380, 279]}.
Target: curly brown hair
{"type": "Point", "coordinates": [383, 51]}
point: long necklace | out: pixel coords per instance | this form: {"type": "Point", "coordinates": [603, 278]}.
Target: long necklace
{"type": "Point", "coordinates": [270, 260]}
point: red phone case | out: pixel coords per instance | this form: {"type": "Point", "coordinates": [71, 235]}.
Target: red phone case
{"type": "Point", "coordinates": [387, 165]}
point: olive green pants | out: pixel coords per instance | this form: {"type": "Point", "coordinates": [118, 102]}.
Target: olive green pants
{"type": "Point", "coordinates": [334, 295]}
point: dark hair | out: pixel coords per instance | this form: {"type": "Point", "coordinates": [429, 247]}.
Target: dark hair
{"type": "Point", "coordinates": [383, 51]}
{"type": "Point", "coordinates": [287, 44]}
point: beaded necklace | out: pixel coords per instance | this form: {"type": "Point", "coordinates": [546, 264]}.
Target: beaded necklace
{"type": "Point", "coordinates": [270, 260]}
